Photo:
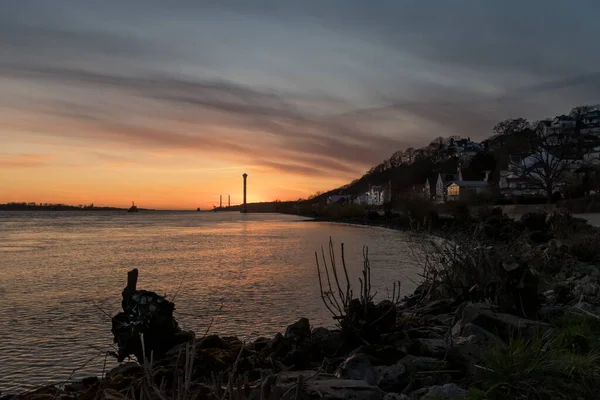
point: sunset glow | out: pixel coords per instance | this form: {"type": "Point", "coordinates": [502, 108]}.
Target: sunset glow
{"type": "Point", "coordinates": [167, 106]}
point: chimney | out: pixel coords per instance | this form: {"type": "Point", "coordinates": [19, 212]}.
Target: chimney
{"type": "Point", "coordinates": [459, 177]}
{"type": "Point", "coordinates": [228, 200]}
{"type": "Point", "coordinates": [220, 201]}
{"type": "Point", "coordinates": [487, 176]}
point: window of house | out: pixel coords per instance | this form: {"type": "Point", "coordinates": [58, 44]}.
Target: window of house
{"type": "Point", "coordinates": [453, 190]}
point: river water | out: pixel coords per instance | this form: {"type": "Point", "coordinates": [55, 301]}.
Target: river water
{"type": "Point", "coordinates": [62, 273]}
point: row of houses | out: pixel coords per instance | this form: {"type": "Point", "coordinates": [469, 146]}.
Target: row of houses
{"type": "Point", "coordinates": [590, 124]}
{"type": "Point", "coordinates": [446, 186]}
{"type": "Point", "coordinates": [375, 196]}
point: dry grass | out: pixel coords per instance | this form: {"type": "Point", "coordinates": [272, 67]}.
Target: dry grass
{"type": "Point", "coordinates": [462, 267]}
{"type": "Point", "coordinates": [354, 315]}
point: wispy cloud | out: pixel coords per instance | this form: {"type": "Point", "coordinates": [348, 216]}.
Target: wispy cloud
{"type": "Point", "coordinates": [24, 160]}
{"type": "Point", "coordinates": [313, 89]}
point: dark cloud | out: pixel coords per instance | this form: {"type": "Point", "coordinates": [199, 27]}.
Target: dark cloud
{"type": "Point", "coordinates": [297, 133]}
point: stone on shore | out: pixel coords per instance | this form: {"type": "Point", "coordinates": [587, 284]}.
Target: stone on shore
{"type": "Point", "coordinates": [357, 367]}
{"type": "Point", "coordinates": [298, 331]}
{"type": "Point", "coordinates": [449, 391]}
{"type": "Point", "coordinates": [486, 317]}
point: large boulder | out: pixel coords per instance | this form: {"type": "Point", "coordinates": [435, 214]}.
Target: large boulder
{"type": "Point", "coordinates": [391, 378]}
{"type": "Point", "coordinates": [432, 347]}
{"type": "Point", "coordinates": [298, 331]}
{"type": "Point", "coordinates": [490, 321]}
{"type": "Point", "coordinates": [325, 342]}
{"type": "Point", "coordinates": [381, 354]}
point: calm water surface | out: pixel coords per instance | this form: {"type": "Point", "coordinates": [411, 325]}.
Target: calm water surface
{"type": "Point", "coordinates": [253, 274]}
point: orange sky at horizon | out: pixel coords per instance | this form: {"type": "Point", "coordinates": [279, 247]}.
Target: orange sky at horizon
{"type": "Point", "coordinates": [33, 178]}
{"type": "Point", "coordinates": [52, 159]}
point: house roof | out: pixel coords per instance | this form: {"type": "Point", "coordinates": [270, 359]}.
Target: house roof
{"type": "Point", "coordinates": [564, 118]}
{"type": "Point", "coordinates": [470, 184]}
{"type": "Point", "coordinates": [592, 114]}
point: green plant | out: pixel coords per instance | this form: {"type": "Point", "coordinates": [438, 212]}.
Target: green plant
{"type": "Point", "coordinates": [474, 394]}
{"type": "Point", "coordinates": [548, 366]}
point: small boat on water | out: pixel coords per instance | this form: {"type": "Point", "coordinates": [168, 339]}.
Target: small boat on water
{"type": "Point", "coordinates": [133, 208]}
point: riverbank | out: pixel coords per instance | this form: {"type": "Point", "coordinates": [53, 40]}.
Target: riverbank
{"type": "Point", "coordinates": [474, 329]}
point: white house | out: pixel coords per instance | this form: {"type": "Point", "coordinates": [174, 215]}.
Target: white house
{"type": "Point", "coordinates": [376, 196]}
{"type": "Point", "coordinates": [545, 127]}
{"type": "Point", "coordinates": [563, 123]}
{"type": "Point", "coordinates": [591, 123]}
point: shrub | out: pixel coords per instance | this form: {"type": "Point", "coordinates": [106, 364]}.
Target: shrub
{"type": "Point", "coordinates": [585, 247]}
{"type": "Point", "coordinates": [549, 366]}
{"type": "Point", "coordinates": [358, 318]}
{"type": "Point", "coordinates": [534, 221]}
{"type": "Point", "coordinates": [373, 215]}
{"type": "Point", "coordinates": [499, 227]}
{"type": "Point", "coordinates": [465, 268]}
{"type": "Point", "coordinates": [420, 211]}
{"type": "Point", "coordinates": [340, 211]}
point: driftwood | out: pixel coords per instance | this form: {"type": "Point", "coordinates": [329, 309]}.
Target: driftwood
{"type": "Point", "coordinates": [149, 315]}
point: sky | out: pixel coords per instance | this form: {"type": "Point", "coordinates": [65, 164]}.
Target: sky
{"type": "Point", "coordinates": [168, 103]}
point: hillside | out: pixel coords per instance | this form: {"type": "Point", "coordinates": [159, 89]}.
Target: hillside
{"type": "Point", "coordinates": [410, 168]}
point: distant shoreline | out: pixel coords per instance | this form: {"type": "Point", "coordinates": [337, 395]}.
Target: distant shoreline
{"type": "Point", "coordinates": [10, 207]}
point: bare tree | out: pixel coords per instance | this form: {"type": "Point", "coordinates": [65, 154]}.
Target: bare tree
{"type": "Point", "coordinates": [550, 162]}
{"type": "Point", "coordinates": [410, 155]}
{"type": "Point", "coordinates": [511, 126]}
{"type": "Point", "coordinates": [579, 111]}
{"type": "Point", "coordinates": [397, 158]}
{"type": "Point", "coordinates": [437, 149]}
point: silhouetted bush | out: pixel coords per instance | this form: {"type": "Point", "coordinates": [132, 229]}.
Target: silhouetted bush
{"type": "Point", "coordinates": [373, 215]}
{"type": "Point", "coordinates": [339, 211]}
{"type": "Point", "coordinates": [534, 221]}
{"type": "Point", "coordinates": [499, 227]}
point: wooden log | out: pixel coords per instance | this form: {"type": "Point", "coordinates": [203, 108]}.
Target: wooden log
{"type": "Point", "coordinates": [132, 277]}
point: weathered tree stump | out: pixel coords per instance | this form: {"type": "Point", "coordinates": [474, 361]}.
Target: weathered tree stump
{"type": "Point", "coordinates": [148, 315]}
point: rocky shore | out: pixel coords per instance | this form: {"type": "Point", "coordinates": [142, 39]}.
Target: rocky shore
{"type": "Point", "coordinates": [510, 311]}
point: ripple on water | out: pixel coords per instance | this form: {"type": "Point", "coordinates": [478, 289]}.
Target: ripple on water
{"type": "Point", "coordinates": [253, 274]}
